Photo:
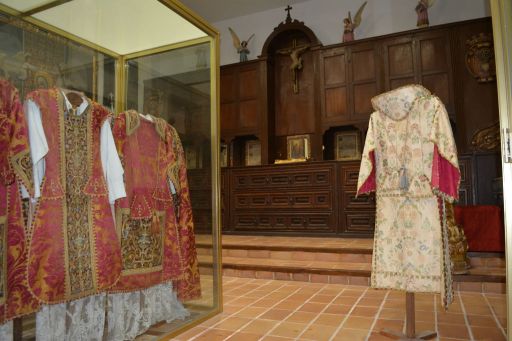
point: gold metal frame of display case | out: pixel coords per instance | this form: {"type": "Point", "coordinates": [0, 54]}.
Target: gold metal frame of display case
{"type": "Point", "coordinates": [501, 11]}
{"type": "Point", "coordinates": [213, 39]}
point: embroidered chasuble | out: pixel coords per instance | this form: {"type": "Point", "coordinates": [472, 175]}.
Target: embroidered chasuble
{"type": "Point", "coordinates": [74, 250]}
{"type": "Point", "coordinates": [154, 221]}
{"type": "Point", "coordinates": [410, 160]}
{"type": "Point", "coordinates": [15, 169]}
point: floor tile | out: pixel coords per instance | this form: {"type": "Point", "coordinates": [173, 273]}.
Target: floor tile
{"type": "Point", "coordinates": [486, 333]}
{"type": "Point", "coordinates": [276, 314]}
{"type": "Point", "coordinates": [301, 317]}
{"type": "Point", "coordinates": [214, 335]}
{"type": "Point", "coordinates": [288, 329]}
{"type": "Point", "coordinates": [232, 323]}
{"type": "Point", "coordinates": [356, 322]}
{"type": "Point", "coordinates": [452, 330]}
{"type": "Point", "coordinates": [245, 337]}
{"type": "Point", "coordinates": [329, 319]}
{"type": "Point", "coordinates": [259, 326]}
{"type": "Point", "coordinates": [346, 334]}
{"type": "Point", "coordinates": [318, 332]}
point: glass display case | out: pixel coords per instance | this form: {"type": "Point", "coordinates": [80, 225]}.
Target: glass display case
{"type": "Point", "coordinates": [154, 58]}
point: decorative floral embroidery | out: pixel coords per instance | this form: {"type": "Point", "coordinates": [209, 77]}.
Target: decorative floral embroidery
{"type": "Point", "coordinates": [409, 253]}
{"type": "Point", "coordinates": [79, 247]}
{"type": "Point", "coordinates": [142, 242]}
{"type": "Point", "coordinates": [132, 121]}
{"type": "Point", "coordinates": [3, 265]}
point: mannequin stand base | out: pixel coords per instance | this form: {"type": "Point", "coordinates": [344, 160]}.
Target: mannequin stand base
{"type": "Point", "coordinates": [426, 335]}
{"type": "Point", "coordinates": [410, 322]}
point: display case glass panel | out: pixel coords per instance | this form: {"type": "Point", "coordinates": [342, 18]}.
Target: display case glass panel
{"type": "Point", "coordinates": [161, 61]}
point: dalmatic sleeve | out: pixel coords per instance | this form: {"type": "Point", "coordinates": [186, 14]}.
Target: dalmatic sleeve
{"type": "Point", "coordinates": [188, 286]}
{"type": "Point", "coordinates": [112, 167]}
{"type": "Point", "coordinates": [19, 150]}
{"type": "Point", "coordinates": [366, 181]}
{"type": "Point", "coordinates": [445, 177]}
{"type": "Point", "coordinates": [38, 145]}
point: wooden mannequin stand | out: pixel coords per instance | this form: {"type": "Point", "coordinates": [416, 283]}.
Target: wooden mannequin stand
{"type": "Point", "coordinates": [410, 327]}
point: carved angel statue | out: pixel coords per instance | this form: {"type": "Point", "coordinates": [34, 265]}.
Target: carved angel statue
{"type": "Point", "coordinates": [241, 47]}
{"type": "Point", "coordinates": [349, 24]}
{"type": "Point", "coordinates": [422, 11]}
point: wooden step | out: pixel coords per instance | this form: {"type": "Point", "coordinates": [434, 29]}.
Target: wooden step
{"type": "Point", "coordinates": [328, 260]}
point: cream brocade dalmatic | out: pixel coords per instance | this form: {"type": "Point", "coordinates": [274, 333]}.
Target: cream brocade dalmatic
{"type": "Point", "coordinates": [409, 136]}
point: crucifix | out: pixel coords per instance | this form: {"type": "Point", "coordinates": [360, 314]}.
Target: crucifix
{"type": "Point", "coordinates": [288, 17]}
{"type": "Point", "coordinates": [295, 54]}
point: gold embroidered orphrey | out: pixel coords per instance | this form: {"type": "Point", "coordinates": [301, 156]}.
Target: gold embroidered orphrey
{"type": "Point", "coordinates": [79, 247]}
{"type": "Point", "coordinates": [141, 247]}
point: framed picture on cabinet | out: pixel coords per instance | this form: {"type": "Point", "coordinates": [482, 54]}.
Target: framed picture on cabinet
{"type": "Point", "coordinates": [193, 156]}
{"type": "Point", "coordinates": [298, 147]}
{"type": "Point", "coordinates": [223, 155]}
{"type": "Point", "coordinates": [252, 153]}
{"type": "Point", "coordinates": [347, 145]}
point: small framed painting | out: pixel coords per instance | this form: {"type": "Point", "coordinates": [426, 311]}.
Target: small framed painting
{"type": "Point", "coordinates": [193, 156]}
{"type": "Point", "coordinates": [223, 155]}
{"type": "Point", "coordinates": [298, 147]}
{"type": "Point", "coordinates": [252, 153]}
{"type": "Point", "coordinates": [347, 145]}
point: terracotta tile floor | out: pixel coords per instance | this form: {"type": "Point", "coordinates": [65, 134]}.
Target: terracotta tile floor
{"type": "Point", "coordinates": [256, 309]}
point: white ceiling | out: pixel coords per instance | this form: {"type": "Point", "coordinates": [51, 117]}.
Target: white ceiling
{"type": "Point", "coordinates": [218, 10]}
{"type": "Point", "coordinates": [122, 26]}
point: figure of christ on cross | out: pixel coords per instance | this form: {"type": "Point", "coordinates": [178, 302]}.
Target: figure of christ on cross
{"type": "Point", "coordinates": [295, 54]}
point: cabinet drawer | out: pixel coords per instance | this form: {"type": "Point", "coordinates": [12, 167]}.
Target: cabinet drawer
{"type": "Point", "coordinates": [303, 200]}
{"type": "Point", "coordinates": [365, 201]}
{"type": "Point", "coordinates": [314, 222]}
{"type": "Point", "coordinates": [349, 175]}
{"type": "Point", "coordinates": [292, 177]}
{"type": "Point", "coordinates": [359, 222]}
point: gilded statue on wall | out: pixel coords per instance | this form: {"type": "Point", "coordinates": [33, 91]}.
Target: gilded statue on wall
{"type": "Point", "coordinates": [349, 24]}
{"type": "Point", "coordinates": [480, 57]}
{"type": "Point", "coordinates": [241, 46]}
{"type": "Point", "coordinates": [487, 139]}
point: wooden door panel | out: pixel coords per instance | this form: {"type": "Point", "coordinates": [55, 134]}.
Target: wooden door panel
{"type": "Point", "coordinates": [228, 116]}
{"type": "Point", "coordinates": [249, 114]}
{"type": "Point", "coordinates": [363, 65]}
{"type": "Point", "coordinates": [433, 54]}
{"type": "Point", "coordinates": [438, 84]}
{"type": "Point", "coordinates": [398, 82]}
{"type": "Point", "coordinates": [228, 91]}
{"type": "Point", "coordinates": [401, 59]}
{"type": "Point", "coordinates": [336, 102]}
{"type": "Point", "coordinates": [363, 94]}
{"type": "Point", "coordinates": [248, 84]}
{"type": "Point", "coordinates": [335, 70]}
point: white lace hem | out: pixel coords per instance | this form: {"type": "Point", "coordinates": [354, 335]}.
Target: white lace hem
{"type": "Point", "coordinates": [6, 330]}
{"type": "Point", "coordinates": [131, 314]}
{"type": "Point", "coordinates": [82, 319]}
{"type": "Point", "coordinates": [126, 315]}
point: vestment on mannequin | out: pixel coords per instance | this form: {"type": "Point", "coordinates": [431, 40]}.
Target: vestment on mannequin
{"type": "Point", "coordinates": [410, 160]}
{"type": "Point", "coordinates": [15, 169]}
{"type": "Point", "coordinates": [74, 251]}
{"type": "Point", "coordinates": [154, 222]}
